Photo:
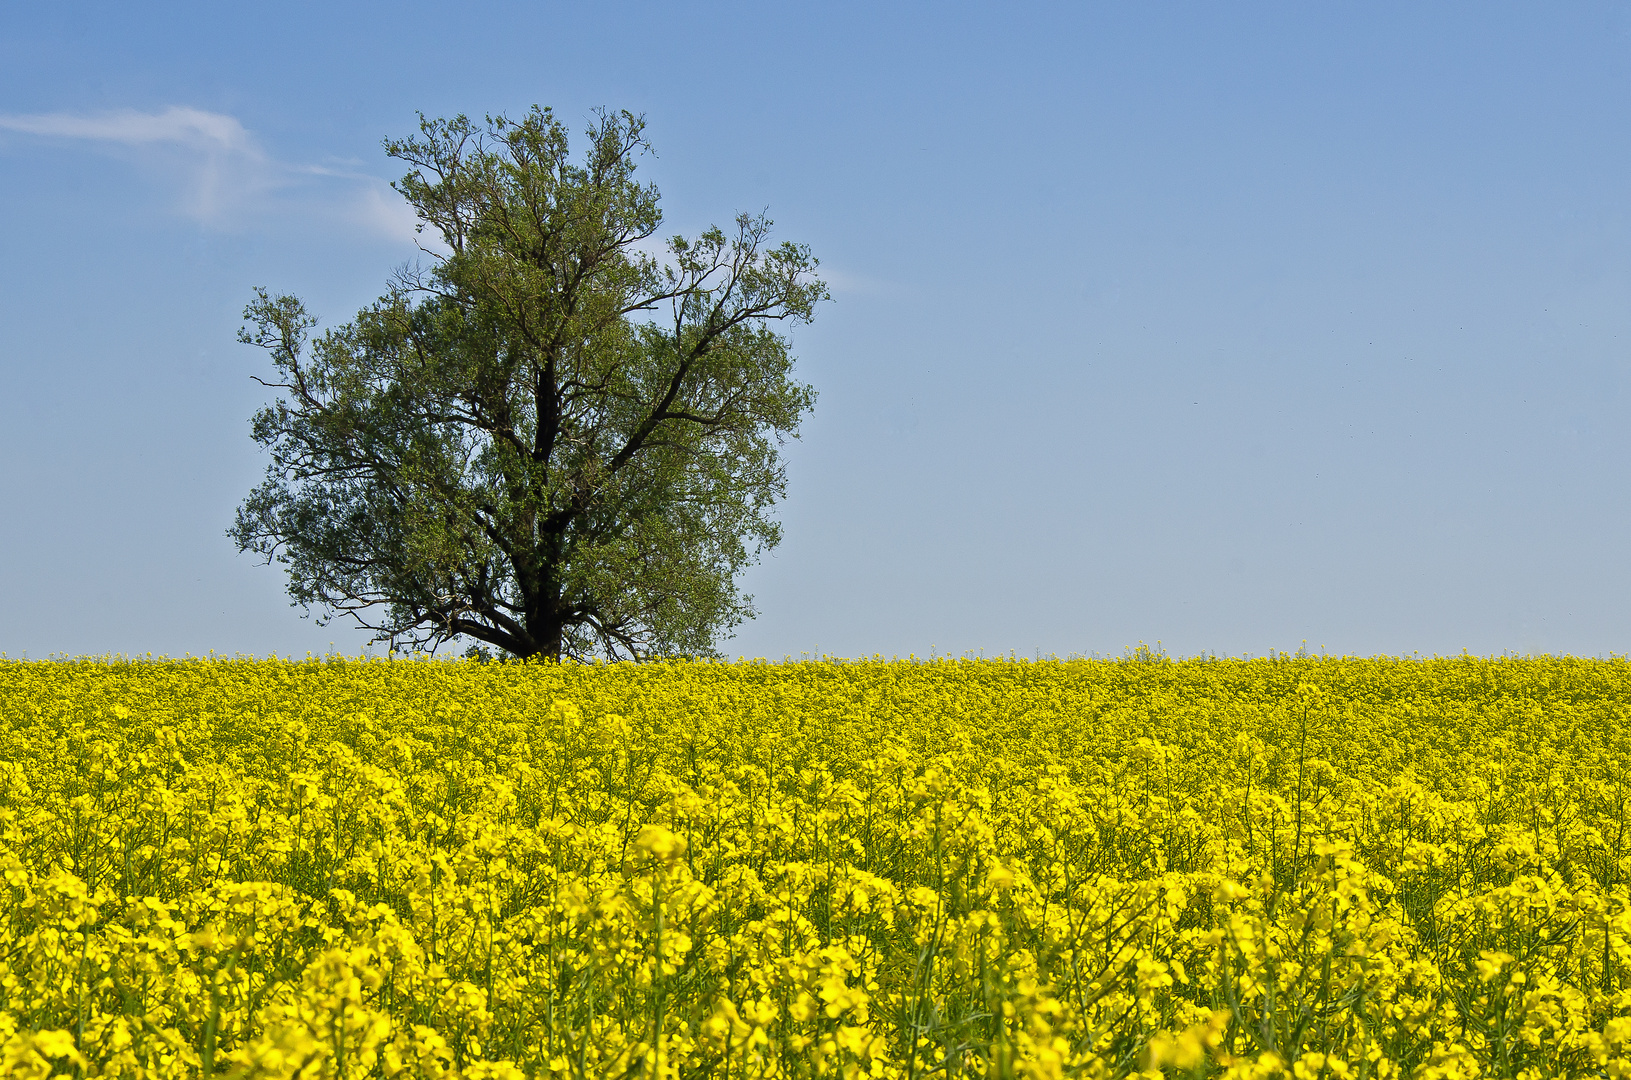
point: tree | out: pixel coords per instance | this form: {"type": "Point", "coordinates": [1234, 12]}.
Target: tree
{"type": "Point", "coordinates": [549, 440]}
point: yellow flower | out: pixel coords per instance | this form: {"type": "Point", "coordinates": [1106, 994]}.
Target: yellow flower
{"type": "Point", "coordinates": [660, 844]}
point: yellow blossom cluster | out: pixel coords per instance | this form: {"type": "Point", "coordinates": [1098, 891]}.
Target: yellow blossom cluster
{"type": "Point", "coordinates": [1286, 867]}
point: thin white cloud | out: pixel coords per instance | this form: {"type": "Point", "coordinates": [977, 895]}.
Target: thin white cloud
{"type": "Point", "coordinates": [379, 207]}
{"type": "Point", "coordinates": [177, 124]}
{"type": "Point", "coordinates": [843, 283]}
{"type": "Point", "coordinates": [227, 179]}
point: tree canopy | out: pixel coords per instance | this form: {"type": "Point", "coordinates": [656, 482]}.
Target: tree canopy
{"type": "Point", "coordinates": [557, 436]}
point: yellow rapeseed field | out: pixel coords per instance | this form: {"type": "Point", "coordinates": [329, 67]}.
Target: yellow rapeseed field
{"type": "Point", "coordinates": [1281, 867]}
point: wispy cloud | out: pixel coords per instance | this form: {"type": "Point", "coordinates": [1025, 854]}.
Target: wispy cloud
{"type": "Point", "coordinates": [177, 124]}
{"type": "Point", "coordinates": [844, 283]}
{"type": "Point", "coordinates": [227, 178]}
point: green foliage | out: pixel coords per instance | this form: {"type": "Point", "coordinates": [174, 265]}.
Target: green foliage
{"type": "Point", "coordinates": [550, 441]}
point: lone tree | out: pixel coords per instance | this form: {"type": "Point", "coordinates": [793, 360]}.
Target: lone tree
{"type": "Point", "coordinates": [549, 440]}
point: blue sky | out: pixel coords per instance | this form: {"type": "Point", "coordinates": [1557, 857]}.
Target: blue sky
{"type": "Point", "coordinates": [1228, 326]}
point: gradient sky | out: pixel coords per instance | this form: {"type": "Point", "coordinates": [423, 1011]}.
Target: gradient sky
{"type": "Point", "coordinates": [1226, 326]}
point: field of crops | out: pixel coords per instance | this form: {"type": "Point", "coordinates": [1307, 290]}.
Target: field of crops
{"type": "Point", "coordinates": [1281, 867]}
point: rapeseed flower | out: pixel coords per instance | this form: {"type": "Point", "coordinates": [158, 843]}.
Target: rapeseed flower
{"type": "Point", "coordinates": [1269, 868]}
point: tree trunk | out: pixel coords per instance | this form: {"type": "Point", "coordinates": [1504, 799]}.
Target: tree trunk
{"type": "Point", "coordinates": [545, 627]}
